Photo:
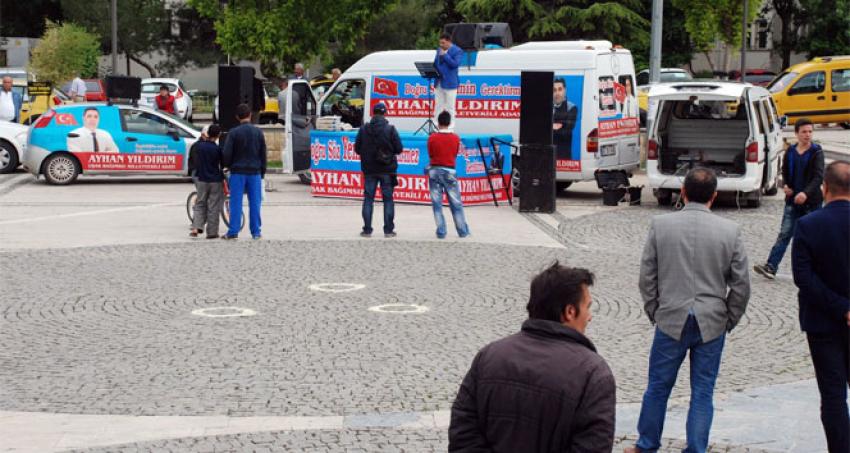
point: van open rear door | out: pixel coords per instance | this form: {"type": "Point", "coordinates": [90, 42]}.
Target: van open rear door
{"type": "Point", "coordinates": [300, 119]}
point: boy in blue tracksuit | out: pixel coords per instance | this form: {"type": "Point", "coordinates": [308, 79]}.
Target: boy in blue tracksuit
{"type": "Point", "coordinates": [447, 60]}
{"type": "Point", "coordinates": [245, 155]}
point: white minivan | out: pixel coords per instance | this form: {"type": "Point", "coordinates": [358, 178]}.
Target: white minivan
{"type": "Point", "coordinates": [594, 82]}
{"type": "Point", "coordinates": [730, 127]}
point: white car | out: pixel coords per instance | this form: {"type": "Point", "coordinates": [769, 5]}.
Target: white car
{"type": "Point", "coordinates": [730, 127]}
{"type": "Point", "coordinates": [13, 143]}
{"type": "Point", "coordinates": [182, 100]}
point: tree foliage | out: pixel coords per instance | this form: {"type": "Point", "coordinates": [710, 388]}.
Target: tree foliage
{"type": "Point", "coordinates": [710, 21]}
{"type": "Point", "coordinates": [828, 27]}
{"type": "Point", "coordinates": [64, 51]}
{"type": "Point", "coordinates": [142, 25]}
{"type": "Point", "coordinates": [676, 47]}
{"type": "Point", "coordinates": [28, 18]}
{"type": "Point", "coordinates": [278, 33]}
{"type": "Point", "coordinates": [792, 18]}
{"type": "Point", "coordinates": [192, 46]}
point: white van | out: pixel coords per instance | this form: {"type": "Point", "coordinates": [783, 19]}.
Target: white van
{"type": "Point", "coordinates": [600, 100]}
{"type": "Point", "coordinates": [730, 127]}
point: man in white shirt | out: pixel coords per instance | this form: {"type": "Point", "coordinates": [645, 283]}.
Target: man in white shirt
{"type": "Point", "coordinates": [299, 71]}
{"type": "Point", "coordinates": [10, 102]}
{"type": "Point", "coordinates": [90, 139]}
{"type": "Point", "coordinates": [281, 100]}
{"type": "Point", "coordinates": [78, 89]}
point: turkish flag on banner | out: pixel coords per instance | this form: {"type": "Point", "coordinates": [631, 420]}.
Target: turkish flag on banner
{"type": "Point", "coordinates": [65, 119]}
{"type": "Point", "coordinates": [619, 92]}
{"type": "Point", "coordinates": [385, 87]}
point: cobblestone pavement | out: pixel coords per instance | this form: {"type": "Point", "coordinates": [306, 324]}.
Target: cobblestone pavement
{"type": "Point", "coordinates": [110, 330]}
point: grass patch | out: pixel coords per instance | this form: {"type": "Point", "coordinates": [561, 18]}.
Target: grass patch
{"type": "Point", "coordinates": [274, 164]}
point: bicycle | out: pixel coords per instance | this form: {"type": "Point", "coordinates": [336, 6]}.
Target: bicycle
{"type": "Point", "coordinates": [225, 210]}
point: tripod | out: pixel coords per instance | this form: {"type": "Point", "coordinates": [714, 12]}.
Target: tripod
{"type": "Point", "coordinates": [429, 72]}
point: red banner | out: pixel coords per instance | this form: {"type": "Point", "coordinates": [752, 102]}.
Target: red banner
{"type": "Point", "coordinates": [130, 162]}
{"type": "Point", "coordinates": [568, 165]}
{"type": "Point", "coordinates": [616, 128]}
{"type": "Point", "coordinates": [386, 87]}
{"type": "Point", "coordinates": [411, 188]}
{"type": "Point", "coordinates": [466, 108]}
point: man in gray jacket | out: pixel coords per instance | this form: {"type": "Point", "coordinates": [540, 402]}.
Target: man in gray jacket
{"type": "Point", "coordinates": [695, 285]}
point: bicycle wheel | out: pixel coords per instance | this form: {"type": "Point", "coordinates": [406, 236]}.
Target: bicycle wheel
{"type": "Point", "coordinates": [190, 205]}
{"type": "Point", "coordinates": [225, 215]}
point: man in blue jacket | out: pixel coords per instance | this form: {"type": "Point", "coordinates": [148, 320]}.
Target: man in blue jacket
{"type": "Point", "coordinates": [447, 61]}
{"type": "Point", "coordinates": [821, 265]}
{"type": "Point", "coordinates": [10, 102]}
{"type": "Point", "coordinates": [245, 154]}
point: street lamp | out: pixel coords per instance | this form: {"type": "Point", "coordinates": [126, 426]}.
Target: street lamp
{"type": "Point", "coordinates": [114, 13]}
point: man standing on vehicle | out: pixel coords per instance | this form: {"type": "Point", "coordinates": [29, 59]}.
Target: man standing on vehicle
{"type": "Point", "coordinates": [244, 154]}
{"type": "Point", "coordinates": [281, 100]}
{"type": "Point", "coordinates": [694, 291]}
{"type": "Point", "coordinates": [563, 120]}
{"type": "Point", "coordinates": [821, 266]}
{"type": "Point", "coordinates": [10, 102]}
{"type": "Point", "coordinates": [446, 61]}
{"type": "Point", "coordinates": [165, 101]}
{"type": "Point", "coordinates": [378, 144]}
{"type": "Point", "coordinates": [443, 147]}
{"type": "Point", "coordinates": [802, 173]}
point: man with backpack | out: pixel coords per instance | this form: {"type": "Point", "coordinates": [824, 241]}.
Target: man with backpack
{"type": "Point", "coordinates": [378, 144]}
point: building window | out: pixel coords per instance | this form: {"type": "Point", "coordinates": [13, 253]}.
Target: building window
{"type": "Point", "coordinates": [760, 36]}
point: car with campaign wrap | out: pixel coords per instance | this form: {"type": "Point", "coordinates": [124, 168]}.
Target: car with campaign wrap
{"type": "Point", "coordinates": [104, 139]}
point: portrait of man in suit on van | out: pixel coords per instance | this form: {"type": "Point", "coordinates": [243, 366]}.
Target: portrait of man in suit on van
{"type": "Point", "coordinates": [90, 139]}
{"type": "Point", "coordinates": [563, 120]}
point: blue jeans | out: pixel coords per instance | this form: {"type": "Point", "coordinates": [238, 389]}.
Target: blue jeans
{"type": "Point", "coordinates": [786, 231]}
{"type": "Point", "coordinates": [253, 185]}
{"type": "Point", "coordinates": [665, 358]}
{"type": "Point", "coordinates": [442, 179]}
{"type": "Point", "coordinates": [370, 187]}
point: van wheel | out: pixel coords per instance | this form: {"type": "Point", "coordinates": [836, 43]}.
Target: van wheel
{"type": "Point", "coordinates": [754, 199]}
{"type": "Point", "coordinates": [563, 185]}
{"type": "Point", "coordinates": [8, 157]}
{"type": "Point", "coordinates": [664, 197]}
{"type": "Point", "coordinates": [305, 177]}
{"type": "Point", "coordinates": [61, 169]}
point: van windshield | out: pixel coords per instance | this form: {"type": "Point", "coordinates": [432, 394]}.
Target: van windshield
{"type": "Point", "coordinates": [675, 77]}
{"type": "Point", "coordinates": [782, 81]}
{"type": "Point", "coordinates": [709, 110]}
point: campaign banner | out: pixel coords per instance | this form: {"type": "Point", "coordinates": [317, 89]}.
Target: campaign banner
{"type": "Point", "coordinates": [567, 165]}
{"type": "Point", "coordinates": [618, 127]}
{"type": "Point", "coordinates": [91, 161]}
{"type": "Point", "coordinates": [335, 167]}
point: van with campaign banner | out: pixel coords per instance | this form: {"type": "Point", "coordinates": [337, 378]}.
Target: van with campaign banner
{"type": "Point", "coordinates": [102, 139]}
{"type": "Point", "coordinates": [596, 115]}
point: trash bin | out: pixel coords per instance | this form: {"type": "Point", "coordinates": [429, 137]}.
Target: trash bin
{"type": "Point", "coordinates": [611, 196]}
{"type": "Point", "coordinates": [634, 195]}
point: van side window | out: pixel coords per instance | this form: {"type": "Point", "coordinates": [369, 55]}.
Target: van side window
{"type": "Point", "coordinates": [813, 82]}
{"type": "Point", "coordinates": [769, 115]}
{"type": "Point", "coordinates": [347, 100]}
{"type": "Point", "coordinates": [841, 79]}
{"type": "Point", "coordinates": [759, 116]}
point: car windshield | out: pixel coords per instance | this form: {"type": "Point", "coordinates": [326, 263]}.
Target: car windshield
{"type": "Point", "coordinates": [183, 123]}
{"type": "Point", "coordinates": [782, 81]}
{"type": "Point", "coordinates": [675, 76]}
{"type": "Point", "coordinates": [93, 87]}
{"type": "Point", "coordinates": [153, 88]}
{"type": "Point", "coordinates": [760, 78]}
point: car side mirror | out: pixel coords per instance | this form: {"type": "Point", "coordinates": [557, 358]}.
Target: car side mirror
{"type": "Point", "coordinates": [783, 121]}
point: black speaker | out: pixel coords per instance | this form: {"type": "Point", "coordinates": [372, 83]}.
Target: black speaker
{"type": "Point", "coordinates": [535, 110]}
{"type": "Point", "coordinates": [498, 33]}
{"type": "Point", "coordinates": [235, 86]}
{"type": "Point", "coordinates": [465, 36]}
{"type": "Point", "coordinates": [537, 178]}
{"type": "Point", "coordinates": [259, 95]}
{"type": "Point", "coordinates": [122, 87]}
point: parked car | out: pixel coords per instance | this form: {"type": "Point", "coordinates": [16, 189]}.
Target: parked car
{"type": "Point", "coordinates": [760, 77]}
{"type": "Point", "coordinates": [818, 89]}
{"type": "Point", "coordinates": [643, 86]}
{"type": "Point", "coordinates": [34, 107]}
{"type": "Point", "coordinates": [730, 127]}
{"type": "Point", "coordinates": [13, 142]}
{"type": "Point", "coordinates": [101, 139]}
{"type": "Point", "coordinates": [95, 90]}
{"type": "Point", "coordinates": [182, 100]}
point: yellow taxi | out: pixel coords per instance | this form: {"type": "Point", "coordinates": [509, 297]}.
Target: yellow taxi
{"type": "Point", "coordinates": [818, 89]}
{"type": "Point", "coordinates": [34, 107]}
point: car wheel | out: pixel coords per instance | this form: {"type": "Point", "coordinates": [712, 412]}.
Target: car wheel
{"type": "Point", "coordinates": [61, 169]}
{"type": "Point", "coordinates": [754, 199]}
{"type": "Point", "coordinates": [562, 185]}
{"type": "Point", "coordinates": [8, 157]}
{"type": "Point", "coordinates": [306, 177]}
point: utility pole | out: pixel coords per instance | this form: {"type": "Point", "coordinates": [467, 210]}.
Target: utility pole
{"type": "Point", "coordinates": [655, 46]}
{"type": "Point", "coordinates": [744, 42]}
{"type": "Point", "coordinates": [114, 37]}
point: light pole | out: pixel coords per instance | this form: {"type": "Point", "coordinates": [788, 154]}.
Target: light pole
{"type": "Point", "coordinates": [114, 12]}
{"type": "Point", "coordinates": [655, 44]}
{"type": "Point", "coordinates": [744, 42]}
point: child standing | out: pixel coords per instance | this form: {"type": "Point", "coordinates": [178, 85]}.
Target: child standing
{"type": "Point", "coordinates": [208, 182]}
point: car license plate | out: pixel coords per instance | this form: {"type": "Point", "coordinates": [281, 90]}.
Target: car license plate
{"type": "Point", "coordinates": [609, 150]}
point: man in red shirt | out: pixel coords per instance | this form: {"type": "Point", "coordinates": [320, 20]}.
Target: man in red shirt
{"type": "Point", "coordinates": [443, 147]}
{"type": "Point", "coordinates": [165, 101]}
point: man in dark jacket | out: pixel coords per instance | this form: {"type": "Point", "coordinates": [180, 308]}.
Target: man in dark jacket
{"type": "Point", "coordinates": [206, 163]}
{"type": "Point", "coordinates": [821, 265]}
{"type": "Point", "coordinates": [245, 155]}
{"type": "Point", "coordinates": [378, 144]}
{"type": "Point", "coordinates": [545, 388]}
{"type": "Point", "coordinates": [802, 172]}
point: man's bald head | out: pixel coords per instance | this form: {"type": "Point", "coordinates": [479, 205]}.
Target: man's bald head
{"type": "Point", "coordinates": [836, 179]}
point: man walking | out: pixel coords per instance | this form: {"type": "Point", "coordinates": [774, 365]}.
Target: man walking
{"type": "Point", "coordinates": [446, 61]}
{"type": "Point", "coordinates": [10, 102]}
{"type": "Point", "coordinates": [378, 144]}
{"type": "Point", "coordinates": [245, 155]}
{"type": "Point", "coordinates": [802, 173]}
{"type": "Point", "coordinates": [695, 286]}
{"type": "Point", "coordinates": [545, 388]}
{"type": "Point", "coordinates": [443, 147]}
{"type": "Point", "coordinates": [821, 265]}
{"type": "Point", "coordinates": [206, 165]}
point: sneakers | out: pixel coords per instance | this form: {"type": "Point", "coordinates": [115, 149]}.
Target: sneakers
{"type": "Point", "coordinates": [257, 237]}
{"type": "Point", "coordinates": [228, 237]}
{"type": "Point", "coordinates": [390, 235]}
{"type": "Point", "coordinates": [766, 270]}
{"type": "Point", "coordinates": [364, 234]}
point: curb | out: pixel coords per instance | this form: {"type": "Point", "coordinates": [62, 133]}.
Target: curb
{"type": "Point", "coordinates": [15, 181]}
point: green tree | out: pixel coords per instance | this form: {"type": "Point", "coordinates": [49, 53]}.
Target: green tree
{"type": "Point", "coordinates": [792, 18]}
{"type": "Point", "coordinates": [828, 27]}
{"type": "Point", "coordinates": [709, 21]}
{"type": "Point", "coordinates": [143, 26]}
{"type": "Point", "coordinates": [278, 33]}
{"type": "Point", "coordinates": [64, 51]}
{"type": "Point", "coordinates": [193, 45]}
{"type": "Point", "coordinates": [28, 18]}
{"type": "Point", "coordinates": [676, 47]}
{"type": "Point", "coordinates": [620, 22]}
